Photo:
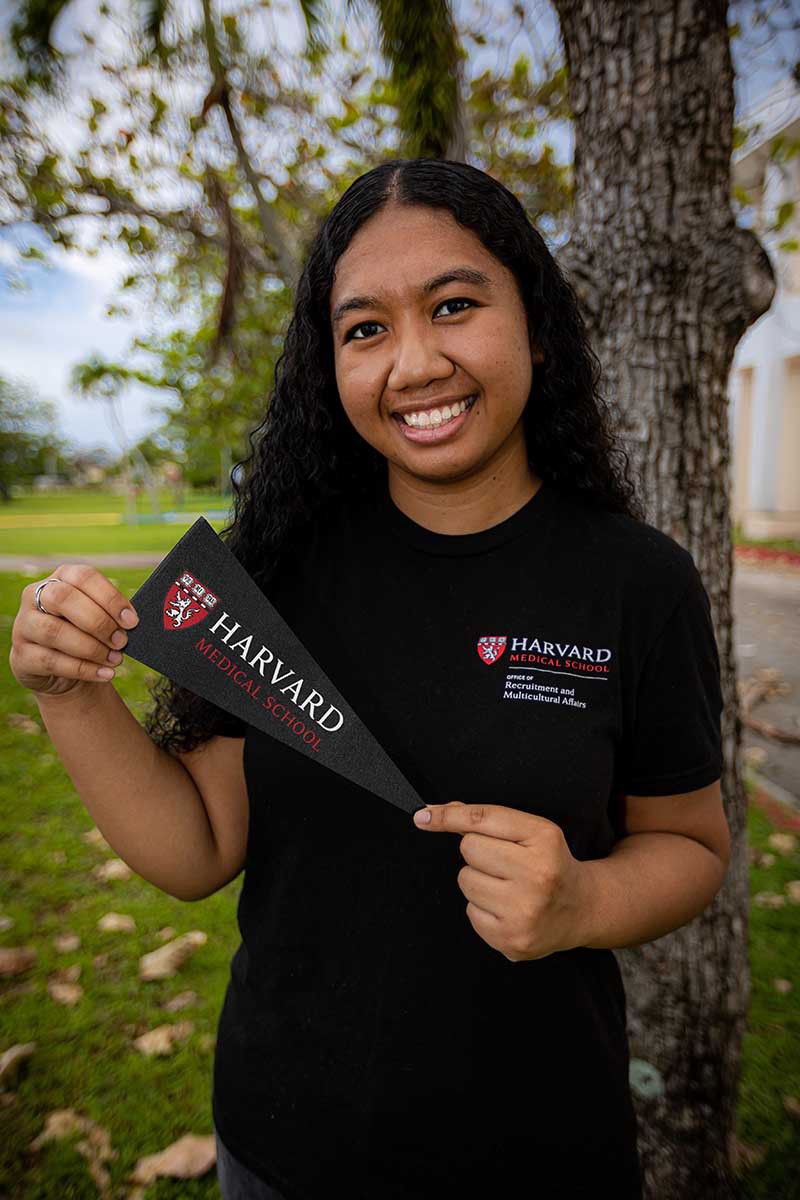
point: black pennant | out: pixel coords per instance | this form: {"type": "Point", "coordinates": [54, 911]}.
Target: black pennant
{"type": "Point", "coordinates": [205, 624]}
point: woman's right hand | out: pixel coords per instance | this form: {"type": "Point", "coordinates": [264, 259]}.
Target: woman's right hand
{"type": "Point", "coordinates": [80, 637]}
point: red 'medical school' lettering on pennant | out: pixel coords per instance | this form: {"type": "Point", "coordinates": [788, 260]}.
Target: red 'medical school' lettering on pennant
{"type": "Point", "coordinates": [245, 659]}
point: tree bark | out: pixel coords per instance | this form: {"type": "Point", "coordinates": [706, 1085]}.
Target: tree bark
{"type": "Point", "coordinates": [668, 284]}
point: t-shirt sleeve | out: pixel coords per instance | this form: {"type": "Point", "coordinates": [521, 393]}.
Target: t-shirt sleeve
{"type": "Point", "coordinates": [672, 742]}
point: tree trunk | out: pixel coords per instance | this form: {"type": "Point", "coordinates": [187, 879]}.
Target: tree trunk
{"type": "Point", "coordinates": [668, 284]}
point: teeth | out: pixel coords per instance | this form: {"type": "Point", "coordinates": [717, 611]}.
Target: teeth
{"type": "Point", "coordinates": [436, 416]}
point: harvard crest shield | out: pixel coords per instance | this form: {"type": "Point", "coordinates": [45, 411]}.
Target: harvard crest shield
{"type": "Point", "coordinates": [187, 602]}
{"type": "Point", "coordinates": [491, 648]}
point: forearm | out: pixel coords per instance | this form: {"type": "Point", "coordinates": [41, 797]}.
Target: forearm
{"type": "Point", "coordinates": [650, 884]}
{"type": "Point", "coordinates": [143, 800]}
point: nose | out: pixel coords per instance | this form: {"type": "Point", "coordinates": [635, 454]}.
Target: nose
{"type": "Point", "coordinates": [418, 360]}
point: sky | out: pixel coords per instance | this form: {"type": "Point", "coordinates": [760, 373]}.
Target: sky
{"type": "Point", "coordinates": [58, 316]}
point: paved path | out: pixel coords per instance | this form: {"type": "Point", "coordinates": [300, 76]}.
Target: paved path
{"type": "Point", "coordinates": [40, 564]}
{"type": "Point", "coordinates": [766, 608]}
{"type": "Point", "coordinates": [766, 616]}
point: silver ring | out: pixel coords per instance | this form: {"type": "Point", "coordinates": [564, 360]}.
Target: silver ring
{"type": "Point", "coordinates": [38, 591]}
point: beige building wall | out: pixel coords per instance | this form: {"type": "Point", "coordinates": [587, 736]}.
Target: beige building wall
{"type": "Point", "coordinates": [742, 386]}
{"type": "Point", "coordinates": [788, 465]}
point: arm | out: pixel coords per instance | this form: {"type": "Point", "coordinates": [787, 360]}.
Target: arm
{"type": "Point", "coordinates": [146, 802]}
{"type": "Point", "coordinates": [650, 884]}
{"type": "Point", "coordinates": [662, 874]}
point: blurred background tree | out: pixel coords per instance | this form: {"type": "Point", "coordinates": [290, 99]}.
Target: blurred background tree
{"type": "Point", "coordinates": [29, 443]}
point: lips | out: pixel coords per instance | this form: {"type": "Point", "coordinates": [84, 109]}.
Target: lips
{"type": "Point", "coordinates": [400, 415]}
{"type": "Point", "coordinates": [434, 434]}
{"type": "Point", "coordinates": [445, 402]}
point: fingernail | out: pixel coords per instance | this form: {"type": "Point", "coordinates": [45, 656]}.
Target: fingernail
{"type": "Point", "coordinates": [114, 657]}
{"type": "Point", "coordinates": [119, 638]}
{"type": "Point", "coordinates": [422, 816]}
{"type": "Point", "coordinates": [127, 616]}
{"type": "Point", "coordinates": [105, 673]}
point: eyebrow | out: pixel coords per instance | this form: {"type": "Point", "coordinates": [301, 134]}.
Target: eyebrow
{"type": "Point", "coordinates": [454, 275]}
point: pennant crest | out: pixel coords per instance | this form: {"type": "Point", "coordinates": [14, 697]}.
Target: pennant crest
{"type": "Point", "coordinates": [187, 602]}
{"type": "Point", "coordinates": [490, 649]}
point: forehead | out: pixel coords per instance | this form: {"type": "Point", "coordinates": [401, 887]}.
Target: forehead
{"type": "Point", "coordinates": [408, 253]}
{"type": "Point", "coordinates": [402, 247]}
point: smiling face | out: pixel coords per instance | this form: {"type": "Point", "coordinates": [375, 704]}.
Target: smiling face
{"type": "Point", "coordinates": [423, 318]}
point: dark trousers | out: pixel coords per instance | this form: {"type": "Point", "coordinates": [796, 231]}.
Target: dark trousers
{"type": "Point", "coordinates": [236, 1181]}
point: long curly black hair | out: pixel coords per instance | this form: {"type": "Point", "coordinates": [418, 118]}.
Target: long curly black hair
{"type": "Point", "coordinates": [305, 455]}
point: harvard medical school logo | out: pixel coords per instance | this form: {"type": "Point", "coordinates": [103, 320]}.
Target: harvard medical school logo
{"type": "Point", "coordinates": [534, 653]}
{"type": "Point", "coordinates": [490, 649]}
{"type": "Point", "coordinates": [187, 602]}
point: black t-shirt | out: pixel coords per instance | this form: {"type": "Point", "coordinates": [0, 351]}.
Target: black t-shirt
{"type": "Point", "coordinates": [370, 1040]}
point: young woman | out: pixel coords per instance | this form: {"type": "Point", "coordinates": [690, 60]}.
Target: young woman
{"type": "Point", "coordinates": [437, 505]}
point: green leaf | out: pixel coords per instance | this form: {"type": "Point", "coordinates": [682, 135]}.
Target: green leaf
{"type": "Point", "coordinates": [785, 212]}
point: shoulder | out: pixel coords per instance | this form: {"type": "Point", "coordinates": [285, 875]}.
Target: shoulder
{"type": "Point", "coordinates": [650, 565]}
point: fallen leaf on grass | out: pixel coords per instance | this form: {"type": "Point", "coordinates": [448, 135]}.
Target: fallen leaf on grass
{"type": "Point", "coordinates": [182, 1000]}
{"type": "Point", "coordinates": [62, 985]}
{"type": "Point", "coordinates": [163, 1039]}
{"type": "Point", "coordinates": [188, 1158]}
{"type": "Point", "coordinates": [792, 1106]}
{"type": "Point", "coordinates": [784, 843]}
{"type": "Point", "coordinates": [58, 856]}
{"type": "Point", "coordinates": [166, 933]}
{"type": "Point", "coordinates": [769, 900]}
{"type": "Point", "coordinates": [93, 837]}
{"type": "Point", "coordinates": [115, 868]}
{"type": "Point", "coordinates": [117, 923]}
{"type": "Point", "coordinates": [95, 1145]}
{"type": "Point", "coordinates": [11, 1063]}
{"type": "Point", "coordinates": [99, 961]}
{"type": "Point", "coordinates": [793, 891]}
{"type": "Point", "coordinates": [64, 993]}
{"type": "Point", "coordinates": [23, 723]}
{"type": "Point", "coordinates": [164, 962]}
{"type": "Point", "coordinates": [65, 943]}
{"type": "Point", "coordinates": [16, 959]}
{"type": "Point", "coordinates": [784, 986]}
{"type": "Point", "coordinates": [6, 923]}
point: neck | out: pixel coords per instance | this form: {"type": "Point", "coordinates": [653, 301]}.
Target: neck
{"type": "Point", "coordinates": [468, 504]}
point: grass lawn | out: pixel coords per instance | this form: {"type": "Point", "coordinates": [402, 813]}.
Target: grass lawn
{"type": "Point", "coordinates": [103, 500]}
{"type": "Point", "coordinates": [18, 537]}
{"type": "Point", "coordinates": [85, 1059]}
{"type": "Point", "coordinates": [72, 544]}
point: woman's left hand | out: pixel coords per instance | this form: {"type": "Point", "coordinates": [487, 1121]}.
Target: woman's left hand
{"type": "Point", "coordinates": [522, 884]}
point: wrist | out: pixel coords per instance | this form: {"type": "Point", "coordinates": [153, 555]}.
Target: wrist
{"type": "Point", "coordinates": [82, 694]}
{"type": "Point", "coordinates": [585, 922]}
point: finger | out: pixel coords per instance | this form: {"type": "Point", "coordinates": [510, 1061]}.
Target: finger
{"type": "Point", "coordinates": [485, 891]}
{"type": "Point", "coordinates": [81, 594]}
{"type": "Point", "coordinates": [494, 820]}
{"type": "Point", "coordinates": [494, 856]}
{"type": "Point", "coordinates": [43, 660]}
{"type": "Point", "coordinates": [60, 634]}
